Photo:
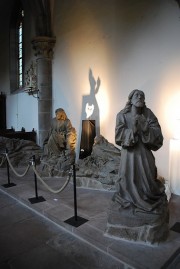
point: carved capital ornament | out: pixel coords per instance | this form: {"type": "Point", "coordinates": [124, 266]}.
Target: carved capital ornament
{"type": "Point", "coordinates": [43, 46]}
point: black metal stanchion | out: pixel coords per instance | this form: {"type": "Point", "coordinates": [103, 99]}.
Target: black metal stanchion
{"type": "Point", "coordinates": [9, 184]}
{"type": "Point", "coordinates": [36, 199]}
{"type": "Point", "coordinates": [75, 221]}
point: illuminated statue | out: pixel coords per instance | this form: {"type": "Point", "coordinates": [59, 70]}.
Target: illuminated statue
{"type": "Point", "coordinates": [59, 146]}
{"type": "Point", "coordinates": [139, 193]}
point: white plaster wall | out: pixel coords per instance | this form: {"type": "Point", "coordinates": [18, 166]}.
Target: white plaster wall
{"type": "Point", "coordinates": [21, 110]}
{"type": "Point", "coordinates": [128, 44]}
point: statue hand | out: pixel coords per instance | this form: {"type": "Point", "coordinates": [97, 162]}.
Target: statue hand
{"type": "Point", "coordinates": [135, 124]}
{"type": "Point", "coordinates": [142, 123]}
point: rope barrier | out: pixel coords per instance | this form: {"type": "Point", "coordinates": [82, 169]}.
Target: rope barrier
{"type": "Point", "coordinates": [17, 174]}
{"type": "Point", "coordinates": [46, 185]}
{"type": "Point", "coordinates": [37, 174]}
{"type": "Point", "coordinates": [75, 220]}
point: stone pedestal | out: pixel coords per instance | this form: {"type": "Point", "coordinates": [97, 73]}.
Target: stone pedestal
{"type": "Point", "coordinates": [142, 227]}
{"type": "Point", "coordinates": [43, 47]}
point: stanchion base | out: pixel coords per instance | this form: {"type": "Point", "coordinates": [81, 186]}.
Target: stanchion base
{"type": "Point", "coordinates": [8, 185]}
{"type": "Point", "coordinates": [35, 200]}
{"type": "Point", "coordinates": [76, 221]}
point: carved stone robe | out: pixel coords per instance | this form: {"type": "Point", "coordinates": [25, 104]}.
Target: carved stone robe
{"type": "Point", "coordinates": [138, 186]}
{"type": "Point", "coordinates": [61, 137]}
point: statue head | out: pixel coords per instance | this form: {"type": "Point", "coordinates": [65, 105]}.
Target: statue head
{"type": "Point", "coordinates": [60, 114]}
{"type": "Point", "coordinates": [137, 98]}
{"type": "Point", "coordinates": [135, 94]}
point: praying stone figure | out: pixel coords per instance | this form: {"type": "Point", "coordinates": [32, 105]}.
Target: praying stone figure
{"type": "Point", "coordinates": [59, 146]}
{"type": "Point", "coordinates": [139, 208]}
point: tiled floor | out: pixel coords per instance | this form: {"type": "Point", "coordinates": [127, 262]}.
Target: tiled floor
{"type": "Point", "coordinates": [87, 242]}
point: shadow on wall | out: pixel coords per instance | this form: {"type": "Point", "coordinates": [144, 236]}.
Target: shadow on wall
{"type": "Point", "coordinates": [90, 108]}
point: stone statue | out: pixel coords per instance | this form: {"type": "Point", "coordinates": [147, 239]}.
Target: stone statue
{"type": "Point", "coordinates": [59, 146]}
{"type": "Point", "coordinates": [140, 198]}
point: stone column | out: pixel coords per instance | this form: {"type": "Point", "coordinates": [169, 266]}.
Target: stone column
{"type": "Point", "coordinates": [43, 47]}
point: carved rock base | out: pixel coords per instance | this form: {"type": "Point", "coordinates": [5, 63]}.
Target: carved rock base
{"type": "Point", "coordinates": [90, 183]}
{"type": "Point", "coordinates": [137, 227]}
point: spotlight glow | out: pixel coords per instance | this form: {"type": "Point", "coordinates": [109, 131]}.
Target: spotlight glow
{"type": "Point", "coordinates": [103, 102]}
{"type": "Point", "coordinates": [173, 114]}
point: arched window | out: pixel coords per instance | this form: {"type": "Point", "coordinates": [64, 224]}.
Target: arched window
{"type": "Point", "coordinates": [17, 47]}
{"type": "Point", "coordinates": [20, 50]}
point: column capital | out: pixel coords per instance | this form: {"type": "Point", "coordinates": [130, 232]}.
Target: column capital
{"type": "Point", "coordinates": [43, 46]}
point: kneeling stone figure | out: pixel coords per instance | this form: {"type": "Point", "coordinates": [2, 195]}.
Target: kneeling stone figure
{"type": "Point", "coordinates": [139, 208]}
{"type": "Point", "coordinates": [59, 146]}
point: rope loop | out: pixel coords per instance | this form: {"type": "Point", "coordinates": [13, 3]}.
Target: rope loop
{"type": "Point", "coordinates": [46, 185]}
{"type": "Point", "coordinates": [15, 172]}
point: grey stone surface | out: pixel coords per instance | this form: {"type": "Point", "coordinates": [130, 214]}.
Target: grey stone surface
{"type": "Point", "coordinates": [94, 184]}
{"type": "Point", "coordinates": [92, 205]}
{"type": "Point", "coordinates": [99, 171]}
{"type": "Point", "coordinates": [20, 151]}
{"type": "Point", "coordinates": [141, 227]}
